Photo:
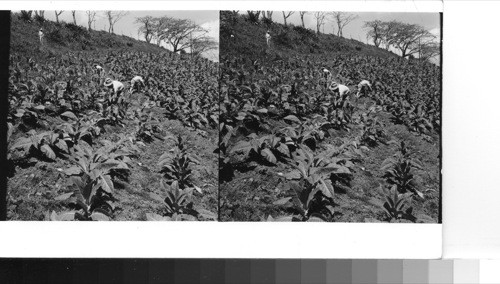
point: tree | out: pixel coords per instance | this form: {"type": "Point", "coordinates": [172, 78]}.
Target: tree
{"type": "Point", "coordinates": [375, 32]}
{"type": "Point", "coordinates": [90, 18]}
{"type": "Point", "coordinates": [58, 13]}
{"type": "Point", "coordinates": [428, 50]}
{"type": "Point", "coordinates": [202, 44]}
{"type": "Point", "coordinates": [26, 15]}
{"type": "Point", "coordinates": [253, 16]}
{"type": "Point", "coordinates": [179, 33]}
{"type": "Point", "coordinates": [342, 19]}
{"type": "Point", "coordinates": [267, 15]}
{"type": "Point", "coordinates": [286, 15]}
{"type": "Point", "coordinates": [73, 13]}
{"type": "Point", "coordinates": [320, 20]}
{"type": "Point", "coordinates": [302, 13]}
{"type": "Point", "coordinates": [40, 13]}
{"type": "Point", "coordinates": [160, 26]}
{"type": "Point", "coordinates": [113, 18]}
{"type": "Point", "coordinates": [389, 30]}
{"type": "Point", "coordinates": [146, 28]}
{"type": "Point", "coordinates": [408, 38]}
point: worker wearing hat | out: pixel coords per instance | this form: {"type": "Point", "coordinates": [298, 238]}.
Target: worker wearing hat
{"type": "Point", "coordinates": [99, 69]}
{"type": "Point", "coordinates": [136, 83]}
{"type": "Point", "coordinates": [117, 86]}
{"type": "Point", "coordinates": [326, 72]}
{"type": "Point", "coordinates": [340, 89]}
{"type": "Point", "coordinates": [116, 98]}
{"type": "Point", "coordinates": [363, 87]}
{"type": "Point", "coordinates": [327, 76]}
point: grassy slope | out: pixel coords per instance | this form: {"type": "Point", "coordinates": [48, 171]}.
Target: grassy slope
{"type": "Point", "coordinates": [64, 37]}
{"type": "Point", "coordinates": [249, 41]}
{"type": "Point", "coordinates": [259, 186]}
{"type": "Point", "coordinates": [33, 187]}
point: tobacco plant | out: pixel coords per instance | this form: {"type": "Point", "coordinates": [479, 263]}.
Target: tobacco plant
{"type": "Point", "coordinates": [400, 170]}
{"type": "Point", "coordinates": [93, 201]}
{"type": "Point", "coordinates": [176, 164]}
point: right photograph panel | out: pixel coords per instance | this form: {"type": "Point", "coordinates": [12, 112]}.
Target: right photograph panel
{"type": "Point", "coordinates": [330, 116]}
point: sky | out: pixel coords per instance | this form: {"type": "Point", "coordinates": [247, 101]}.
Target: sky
{"type": "Point", "coordinates": [127, 26]}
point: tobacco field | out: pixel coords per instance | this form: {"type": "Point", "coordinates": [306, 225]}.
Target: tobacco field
{"type": "Point", "coordinates": [76, 151]}
{"type": "Point", "coordinates": [292, 151]}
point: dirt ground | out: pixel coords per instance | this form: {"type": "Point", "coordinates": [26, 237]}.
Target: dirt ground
{"type": "Point", "coordinates": [249, 196]}
{"type": "Point", "coordinates": [32, 187]}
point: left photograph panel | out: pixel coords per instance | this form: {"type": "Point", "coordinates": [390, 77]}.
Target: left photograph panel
{"type": "Point", "coordinates": [113, 116]}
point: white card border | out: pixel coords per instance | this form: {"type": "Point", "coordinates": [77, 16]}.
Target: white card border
{"type": "Point", "coordinates": [223, 240]}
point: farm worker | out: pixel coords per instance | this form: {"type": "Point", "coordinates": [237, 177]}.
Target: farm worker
{"type": "Point", "coordinates": [41, 35]}
{"type": "Point", "coordinates": [342, 90]}
{"type": "Point", "coordinates": [99, 68]}
{"type": "Point", "coordinates": [327, 75]}
{"type": "Point", "coordinates": [117, 86]}
{"type": "Point", "coordinates": [326, 72]}
{"type": "Point", "coordinates": [363, 86]}
{"type": "Point", "coordinates": [136, 83]}
{"type": "Point", "coordinates": [117, 98]}
{"type": "Point", "coordinates": [268, 38]}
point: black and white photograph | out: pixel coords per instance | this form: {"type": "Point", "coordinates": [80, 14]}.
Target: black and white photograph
{"type": "Point", "coordinates": [113, 115]}
{"type": "Point", "coordinates": [330, 116]}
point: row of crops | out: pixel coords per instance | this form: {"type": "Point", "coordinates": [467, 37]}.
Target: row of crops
{"type": "Point", "coordinates": [283, 132]}
{"type": "Point", "coordinates": [86, 145]}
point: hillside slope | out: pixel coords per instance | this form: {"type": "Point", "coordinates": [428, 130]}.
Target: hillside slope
{"type": "Point", "coordinates": [283, 129]}
{"type": "Point", "coordinates": [248, 40]}
{"type": "Point", "coordinates": [68, 132]}
{"type": "Point", "coordinates": [64, 37]}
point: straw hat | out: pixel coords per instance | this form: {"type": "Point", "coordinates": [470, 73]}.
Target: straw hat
{"type": "Point", "coordinates": [334, 86]}
{"type": "Point", "coordinates": [108, 82]}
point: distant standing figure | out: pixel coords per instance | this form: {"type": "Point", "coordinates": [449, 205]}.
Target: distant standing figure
{"type": "Point", "coordinates": [136, 83]}
{"type": "Point", "coordinates": [41, 35]}
{"type": "Point", "coordinates": [363, 87]}
{"type": "Point", "coordinates": [268, 38]}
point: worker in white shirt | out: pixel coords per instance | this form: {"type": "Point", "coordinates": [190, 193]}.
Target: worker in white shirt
{"type": "Point", "coordinates": [363, 87]}
{"type": "Point", "coordinates": [136, 83]}
{"type": "Point", "coordinates": [327, 76]}
{"type": "Point", "coordinates": [116, 98]}
{"type": "Point", "coordinates": [117, 86]}
{"type": "Point", "coordinates": [340, 89]}
{"type": "Point", "coordinates": [99, 69]}
{"type": "Point", "coordinates": [41, 35]}
{"type": "Point", "coordinates": [326, 73]}
{"type": "Point", "coordinates": [268, 38]}
{"type": "Point", "coordinates": [100, 73]}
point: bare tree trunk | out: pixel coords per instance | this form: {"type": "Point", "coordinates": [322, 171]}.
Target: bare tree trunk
{"type": "Point", "coordinates": [58, 13]}
{"type": "Point", "coordinates": [286, 16]}
{"type": "Point", "coordinates": [74, 17]}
